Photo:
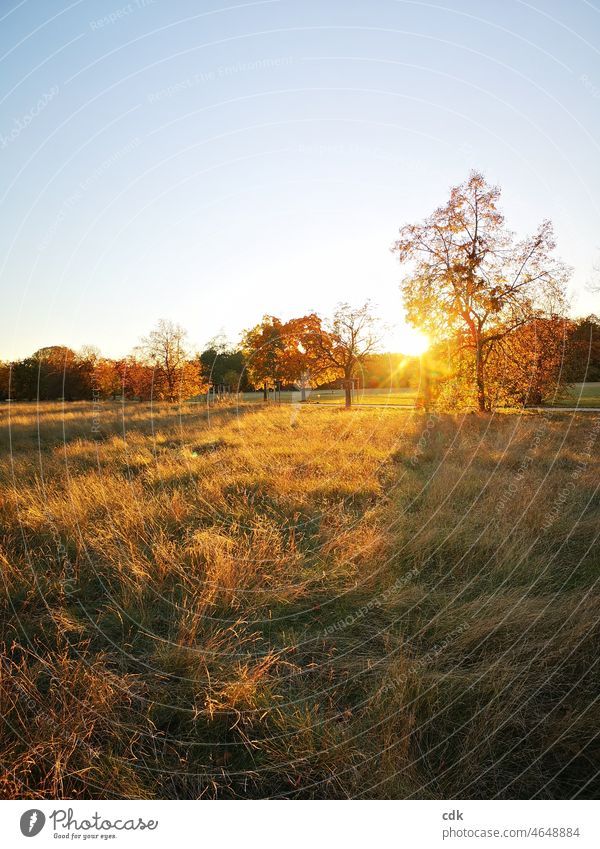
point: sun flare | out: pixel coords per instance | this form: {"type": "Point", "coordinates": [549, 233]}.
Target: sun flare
{"type": "Point", "coordinates": [408, 341]}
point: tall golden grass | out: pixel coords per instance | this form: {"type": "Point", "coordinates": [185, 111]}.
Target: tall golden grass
{"type": "Point", "coordinates": [297, 602]}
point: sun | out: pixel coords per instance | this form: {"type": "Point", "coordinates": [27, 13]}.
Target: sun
{"type": "Point", "coordinates": [408, 341]}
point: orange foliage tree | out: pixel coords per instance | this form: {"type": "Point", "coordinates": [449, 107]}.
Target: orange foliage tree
{"type": "Point", "coordinates": [263, 346]}
{"type": "Point", "coordinates": [107, 379]}
{"type": "Point", "coordinates": [533, 364]}
{"type": "Point", "coordinates": [303, 362]}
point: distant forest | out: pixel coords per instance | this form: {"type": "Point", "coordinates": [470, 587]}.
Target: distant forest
{"type": "Point", "coordinates": [163, 368]}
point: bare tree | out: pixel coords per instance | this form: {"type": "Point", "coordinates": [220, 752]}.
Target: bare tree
{"type": "Point", "coordinates": [345, 342]}
{"type": "Point", "coordinates": [165, 348]}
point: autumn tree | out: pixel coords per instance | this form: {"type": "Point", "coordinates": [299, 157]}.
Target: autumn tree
{"type": "Point", "coordinates": [472, 279]}
{"type": "Point", "coordinates": [136, 378]}
{"type": "Point", "coordinates": [345, 342]}
{"type": "Point", "coordinates": [106, 378]}
{"type": "Point", "coordinates": [263, 347]}
{"type": "Point", "coordinates": [533, 364]}
{"type": "Point", "coordinates": [175, 375]}
{"type": "Point", "coordinates": [303, 364]}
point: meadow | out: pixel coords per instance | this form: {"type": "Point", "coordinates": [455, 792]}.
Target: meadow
{"type": "Point", "coordinates": [575, 395]}
{"type": "Point", "coordinates": [298, 601]}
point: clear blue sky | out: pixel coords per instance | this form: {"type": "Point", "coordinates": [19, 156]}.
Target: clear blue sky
{"type": "Point", "coordinates": [210, 162]}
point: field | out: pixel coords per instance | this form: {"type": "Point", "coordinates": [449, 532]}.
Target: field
{"type": "Point", "coordinates": [379, 397]}
{"type": "Point", "coordinates": [582, 395]}
{"type": "Point", "coordinates": [298, 601]}
{"type": "Point", "coordinates": [578, 395]}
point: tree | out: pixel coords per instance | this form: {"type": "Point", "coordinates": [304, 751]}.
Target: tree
{"type": "Point", "coordinates": [23, 380]}
{"type": "Point", "coordinates": [165, 350]}
{"type": "Point", "coordinates": [533, 364]}
{"type": "Point", "coordinates": [136, 378]}
{"type": "Point", "coordinates": [107, 380]}
{"type": "Point", "coordinates": [189, 381]}
{"type": "Point", "coordinates": [89, 353]}
{"type": "Point", "coordinates": [345, 343]}
{"type": "Point", "coordinates": [472, 279]}
{"type": "Point", "coordinates": [222, 364]}
{"type": "Point", "coordinates": [585, 349]}
{"type": "Point", "coordinates": [60, 373]}
{"type": "Point", "coordinates": [302, 363]}
{"type": "Point", "coordinates": [49, 374]}
{"type": "Point", "coordinates": [263, 347]}
{"type": "Point", "coordinates": [5, 369]}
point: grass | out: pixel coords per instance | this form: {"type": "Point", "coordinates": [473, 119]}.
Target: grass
{"type": "Point", "coordinates": [394, 397]}
{"type": "Point", "coordinates": [379, 397]}
{"type": "Point", "coordinates": [297, 602]}
{"type": "Point", "coordinates": [578, 395]}
{"type": "Point", "coordinates": [582, 395]}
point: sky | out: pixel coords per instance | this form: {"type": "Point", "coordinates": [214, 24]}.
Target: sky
{"type": "Point", "coordinates": [211, 162]}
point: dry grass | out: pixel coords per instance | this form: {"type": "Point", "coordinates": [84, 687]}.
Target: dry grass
{"type": "Point", "coordinates": [297, 602]}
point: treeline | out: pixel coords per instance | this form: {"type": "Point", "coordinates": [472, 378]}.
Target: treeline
{"type": "Point", "coordinates": [301, 353]}
{"type": "Point", "coordinates": [527, 368]}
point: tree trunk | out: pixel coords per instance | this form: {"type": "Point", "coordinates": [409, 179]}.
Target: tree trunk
{"type": "Point", "coordinates": [425, 377]}
{"type": "Point", "coordinates": [479, 377]}
{"type": "Point", "coordinates": [265, 392]}
{"type": "Point", "coordinates": [348, 393]}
